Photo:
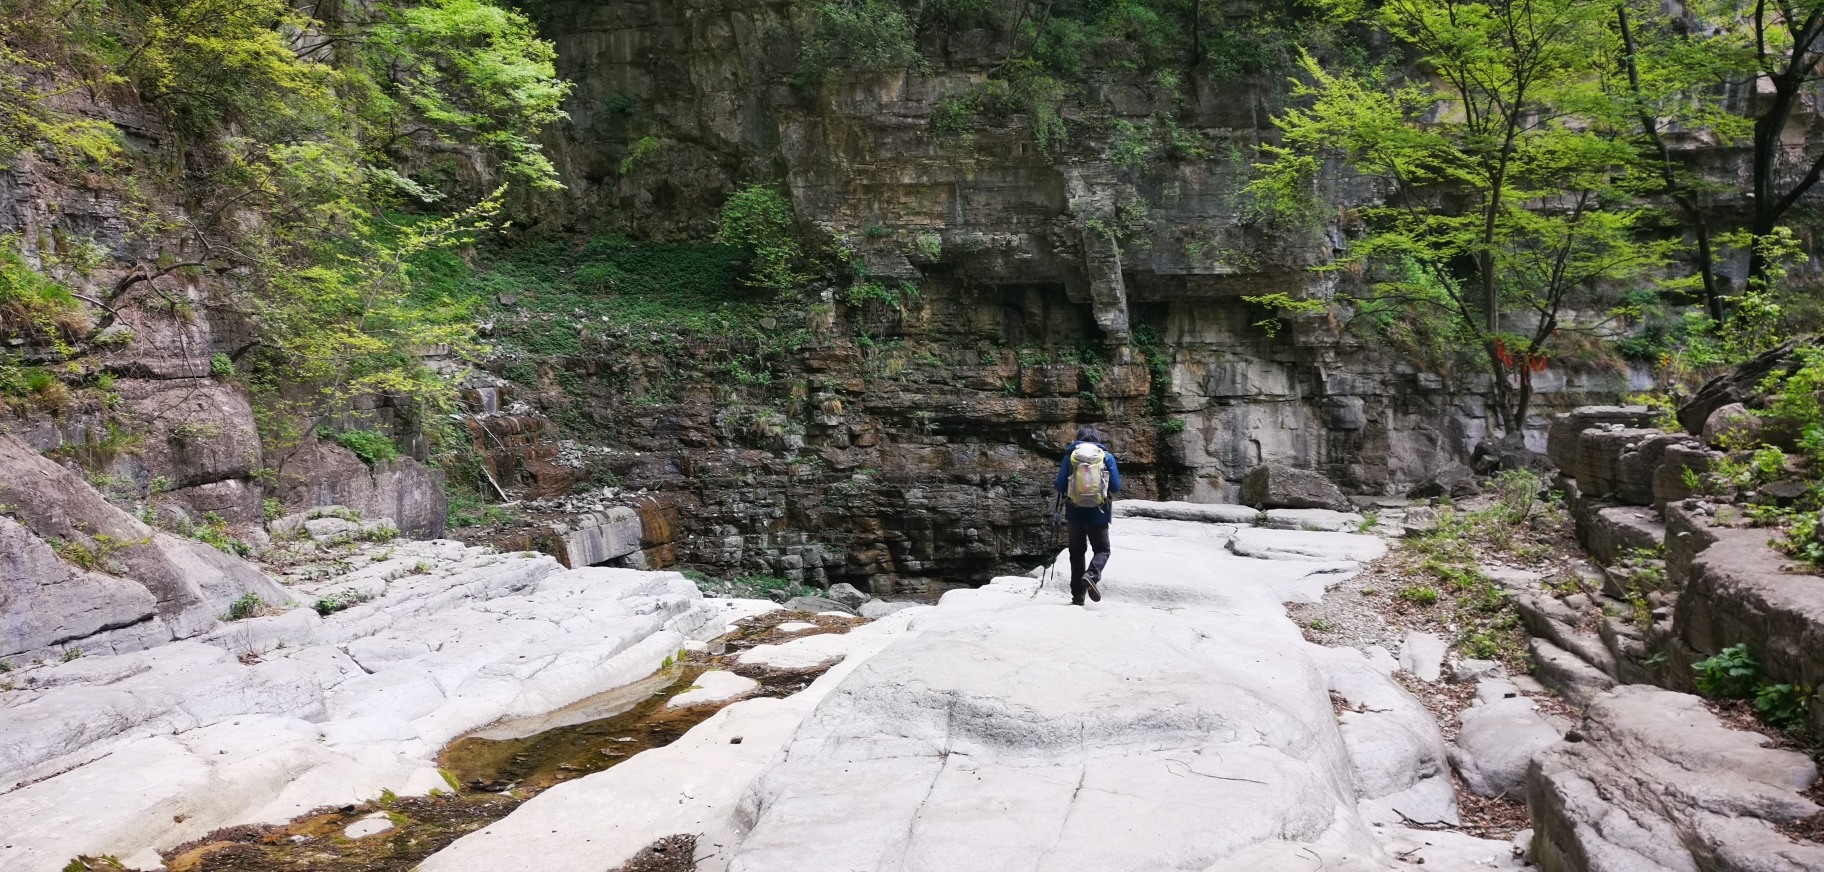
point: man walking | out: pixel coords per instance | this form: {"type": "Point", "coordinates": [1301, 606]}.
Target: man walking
{"type": "Point", "coordinates": [1088, 479]}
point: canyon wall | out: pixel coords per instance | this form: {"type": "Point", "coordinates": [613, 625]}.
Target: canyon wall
{"type": "Point", "coordinates": [1053, 288]}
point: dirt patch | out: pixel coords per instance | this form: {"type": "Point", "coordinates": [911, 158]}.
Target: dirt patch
{"type": "Point", "coordinates": [670, 854]}
{"type": "Point", "coordinates": [1810, 829]}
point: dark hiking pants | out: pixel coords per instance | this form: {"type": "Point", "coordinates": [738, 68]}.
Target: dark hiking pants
{"type": "Point", "coordinates": [1083, 537]}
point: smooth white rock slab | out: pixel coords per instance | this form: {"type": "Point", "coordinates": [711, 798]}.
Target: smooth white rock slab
{"type": "Point", "coordinates": [151, 749]}
{"type": "Point", "coordinates": [795, 626]}
{"type": "Point", "coordinates": [715, 685]}
{"type": "Point", "coordinates": [1210, 513]}
{"type": "Point", "coordinates": [804, 652]}
{"type": "Point", "coordinates": [694, 785]}
{"type": "Point", "coordinates": [372, 825]}
{"type": "Point", "coordinates": [1319, 520]}
{"type": "Point", "coordinates": [1423, 655]}
{"type": "Point", "coordinates": [1303, 545]}
{"type": "Point", "coordinates": [1016, 731]}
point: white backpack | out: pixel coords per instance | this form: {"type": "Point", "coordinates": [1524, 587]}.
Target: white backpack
{"type": "Point", "coordinates": [1088, 476]}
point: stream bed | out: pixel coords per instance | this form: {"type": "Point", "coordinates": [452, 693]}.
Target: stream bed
{"type": "Point", "coordinates": [495, 769]}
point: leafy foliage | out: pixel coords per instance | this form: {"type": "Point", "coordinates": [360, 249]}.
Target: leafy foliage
{"type": "Point", "coordinates": [297, 126]}
{"type": "Point", "coordinates": [371, 447]}
{"type": "Point", "coordinates": [758, 220]}
{"type": "Point", "coordinates": [863, 35]}
{"type": "Point", "coordinates": [1510, 214]}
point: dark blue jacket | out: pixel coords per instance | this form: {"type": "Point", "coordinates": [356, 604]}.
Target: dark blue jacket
{"type": "Point", "coordinates": [1103, 514]}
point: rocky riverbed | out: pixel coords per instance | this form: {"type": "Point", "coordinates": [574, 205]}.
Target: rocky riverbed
{"type": "Point", "coordinates": [1186, 721]}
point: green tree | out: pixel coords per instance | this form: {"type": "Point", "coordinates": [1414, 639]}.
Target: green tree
{"type": "Point", "coordinates": [1508, 215]}
{"type": "Point", "coordinates": [302, 132]}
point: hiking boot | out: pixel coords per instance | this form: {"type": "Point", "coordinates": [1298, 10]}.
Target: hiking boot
{"type": "Point", "coordinates": [1076, 602]}
{"type": "Point", "coordinates": [1089, 580]}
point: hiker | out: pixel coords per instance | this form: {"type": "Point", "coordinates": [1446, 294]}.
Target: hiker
{"type": "Point", "coordinates": [1087, 482]}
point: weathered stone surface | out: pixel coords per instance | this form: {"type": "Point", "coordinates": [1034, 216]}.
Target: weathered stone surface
{"type": "Point", "coordinates": [1654, 781]}
{"type": "Point", "coordinates": [191, 581]}
{"type": "Point", "coordinates": [1276, 486]}
{"type": "Point", "coordinates": [197, 431]}
{"type": "Point", "coordinates": [1611, 533]}
{"type": "Point", "coordinates": [595, 538]}
{"type": "Point", "coordinates": [1574, 679]}
{"type": "Point", "coordinates": [1598, 467]}
{"type": "Point", "coordinates": [1558, 621]}
{"type": "Point", "coordinates": [45, 602]}
{"type": "Point", "coordinates": [714, 686]}
{"type": "Point", "coordinates": [322, 473]}
{"type": "Point", "coordinates": [1670, 479]}
{"type": "Point", "coordinates": [1423, 655]}
{"type": "Point", "coordinates": [1737, 590]}
{"type": "Point", "coordinates": [1455, 481]}
{"type": "Point", "coordinates": [1563, 440]}
{"type": "Point", "coordinates": [1496, 744]}
{"type": "Point", "coordinates": [816, 604]}
{"type": "Point", "coordinates": [1008, 713]}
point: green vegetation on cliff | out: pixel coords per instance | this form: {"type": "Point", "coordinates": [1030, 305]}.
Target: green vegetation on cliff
{"type": "Point", "coordinates": [287, 141]}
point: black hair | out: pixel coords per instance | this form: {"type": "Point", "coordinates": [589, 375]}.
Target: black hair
{"type": "Point", "coordinates": [1090, 434]}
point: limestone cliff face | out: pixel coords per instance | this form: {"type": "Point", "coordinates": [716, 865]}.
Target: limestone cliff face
{"type": "Point", "coordinates": [916, 444]}
{"type": "Point", "coordinates": [1010, 243]}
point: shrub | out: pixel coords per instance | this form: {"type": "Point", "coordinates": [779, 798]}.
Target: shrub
{"type": "Point", "coordinates": [371, 447]}
{"type": "Point", "coordinates": [1784, 706]}
{"type": "Point", "coordinates": [221, 365]}
{"type": "Point", "coordinates": [867, 35]}
{"type": "Point", "coordinates": [1731, 674]}
{"type": "Point", "coordinates": [758, 220]}
{"type": "Point", "coordinates": [249, 605]}
{"type": "Point", "coordinates": [331, 603]}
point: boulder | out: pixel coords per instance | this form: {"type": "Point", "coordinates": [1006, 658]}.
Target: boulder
{"type": "Point", "coordinates": [1277, 486]}
{"type": "Point", "coordinates": [1455, 481]}
{"type": "Point", "coordinates": [322, 473]}
{"type": "Point", "coordinates": [45, 602]}
{"type": "Point", "coordinates": [1423, 655]}
{"type": "Point", "coordinates": [875, 609]}
{"type": "Point", "coordinates": [1652, 780]}
{"type": "Point", "coordinates": [1732, 426]}
{"type": "Point", "coordinates": [816, 604]}
{"type": "Point", "coordinates": [1508, 452]}
{"type": "Point", "coordinates": [1496, 744]}
{"type": "Point", "coordinates": [191, 581]}
{"type": "Point", "coordinates": [849, 596]}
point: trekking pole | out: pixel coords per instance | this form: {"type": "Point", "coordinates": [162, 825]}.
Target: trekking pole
{"type": "Point", "coordinates": [1057, 512]}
